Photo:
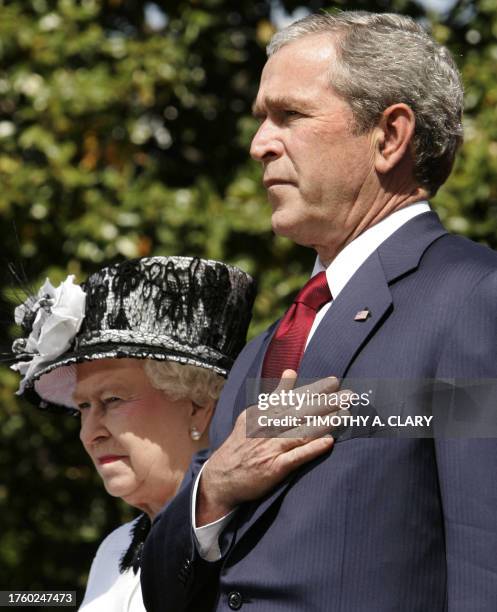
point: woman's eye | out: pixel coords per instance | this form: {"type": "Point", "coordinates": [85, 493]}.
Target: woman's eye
{"type": "Point", "coordinates": [111, 400]}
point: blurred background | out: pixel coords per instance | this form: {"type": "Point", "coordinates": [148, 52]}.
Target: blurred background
{"type": "Point", "coordinates": [124, 130]}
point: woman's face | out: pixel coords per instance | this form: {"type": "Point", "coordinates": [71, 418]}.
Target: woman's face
{"type": "Point", "coordinates": [138, 439]}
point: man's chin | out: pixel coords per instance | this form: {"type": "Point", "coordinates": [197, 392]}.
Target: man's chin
{"type": "Point", "coordinates": [288, 226]}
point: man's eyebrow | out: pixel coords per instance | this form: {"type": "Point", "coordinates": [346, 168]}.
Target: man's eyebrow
{"type": "Point", "coordinates": [279, 102]}
{"type": "Point", "coordinates": [256, 109]}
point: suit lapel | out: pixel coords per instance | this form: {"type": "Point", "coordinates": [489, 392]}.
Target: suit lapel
{"type": "Point", "coordinates": [247, 394]}
{"type": "Point", "coordinates": [402, 252]}
{"type": "Point", "coordinates": [339, 336]}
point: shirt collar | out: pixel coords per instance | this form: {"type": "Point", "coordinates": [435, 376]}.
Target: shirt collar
{"type": "Point", "coordinates": [351, 257]}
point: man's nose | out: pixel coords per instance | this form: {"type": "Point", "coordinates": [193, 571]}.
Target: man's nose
{"type": "Point", "coordinates": [92, 426]}
{"type": "Point", "coordinates": [266, 144]}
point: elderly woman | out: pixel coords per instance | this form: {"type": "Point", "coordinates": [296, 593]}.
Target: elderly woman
{"type": "Point", "coordinates": [140, 353]}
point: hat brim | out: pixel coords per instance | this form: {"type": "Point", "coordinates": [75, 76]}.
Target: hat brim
{"type": "Point", "coordinates": [51, 388]}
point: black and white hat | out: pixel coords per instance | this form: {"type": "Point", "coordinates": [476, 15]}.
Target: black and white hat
{"type": "Point", "coordinates": [189, 310]}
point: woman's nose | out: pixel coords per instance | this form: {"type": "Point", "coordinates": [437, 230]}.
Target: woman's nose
{"type": "Point", "coordinates": [92, 425]}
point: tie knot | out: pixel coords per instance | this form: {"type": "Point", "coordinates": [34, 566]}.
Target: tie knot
{"type": "Point", "coordinates": [315, 292]}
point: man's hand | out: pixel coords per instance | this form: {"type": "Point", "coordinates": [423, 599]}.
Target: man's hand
{"type": "Point", "coordinates": [246, 468]}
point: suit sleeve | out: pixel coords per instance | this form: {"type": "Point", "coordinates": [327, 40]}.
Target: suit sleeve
{"type": "Point", "coordinates": [169, 553]}
{"type": "Point", "coordinates": [467, 466]}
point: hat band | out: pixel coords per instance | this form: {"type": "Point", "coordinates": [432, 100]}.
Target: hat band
{"type": "Point", "coordinates": [119, 336]}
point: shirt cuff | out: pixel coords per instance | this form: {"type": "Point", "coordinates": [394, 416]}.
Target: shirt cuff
{"type": "Point", "coordinates": [207, 537]}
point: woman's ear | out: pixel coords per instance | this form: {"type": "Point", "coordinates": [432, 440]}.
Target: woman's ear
{"type": "Point", "coordinates": [200, 418]}
{"type": "Point", "coordinates": [393, 136]}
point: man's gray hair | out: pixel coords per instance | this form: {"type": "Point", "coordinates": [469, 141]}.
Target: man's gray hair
{"type": "Point", "coordinates": [384, 59]}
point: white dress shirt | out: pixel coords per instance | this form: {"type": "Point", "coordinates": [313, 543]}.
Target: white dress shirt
{"type": "Point", "coordinates": [338, 274]}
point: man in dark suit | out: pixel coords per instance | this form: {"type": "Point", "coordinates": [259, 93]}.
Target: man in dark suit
{"type": "Point", "coordinates": [360, 119]}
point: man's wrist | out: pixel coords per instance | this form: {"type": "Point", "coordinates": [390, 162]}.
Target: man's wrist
{"type": "Point", "coordinates": [208, 509]}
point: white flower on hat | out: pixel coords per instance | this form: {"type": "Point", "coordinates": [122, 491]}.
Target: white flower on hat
{"type": "Point", "coordinates": [59, 314]}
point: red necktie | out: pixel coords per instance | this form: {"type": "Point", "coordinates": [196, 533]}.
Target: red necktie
{"type": "Point", "coordinates": [287, 345]}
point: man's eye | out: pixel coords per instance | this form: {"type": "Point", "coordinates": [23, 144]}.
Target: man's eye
{"type": "Point", "coordinates": [83, 405]}
{"type": "Point", "coordinates": [291, 113]}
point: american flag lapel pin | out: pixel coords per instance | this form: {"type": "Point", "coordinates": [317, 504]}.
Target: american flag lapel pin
{"type": "Point", "coordinates": [362, 315]}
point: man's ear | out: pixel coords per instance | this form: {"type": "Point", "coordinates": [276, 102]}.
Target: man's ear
{"type": "Point", "coordinates": [393, 136]}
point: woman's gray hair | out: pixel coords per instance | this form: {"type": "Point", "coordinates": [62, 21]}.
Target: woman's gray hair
{"type": "Point", "coordinates": [383, 59]}
{"type": "Point", "coordinates": [179, 381]}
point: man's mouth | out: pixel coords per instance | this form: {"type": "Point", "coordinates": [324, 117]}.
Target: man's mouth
{"type": "Point", "coordinates": [274, 182]}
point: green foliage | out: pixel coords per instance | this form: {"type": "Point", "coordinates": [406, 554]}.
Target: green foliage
{"type": "Point", "coordinates": [468, 202]}
{"type": "Point", "coordinates": [123, 135]}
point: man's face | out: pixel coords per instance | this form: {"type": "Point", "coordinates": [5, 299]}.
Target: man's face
{"type": "Point", "coordinates": [318, 174]}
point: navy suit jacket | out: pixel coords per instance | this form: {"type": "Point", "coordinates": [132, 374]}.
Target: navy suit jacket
{"type": "Point", "coordinates": [375, 525]}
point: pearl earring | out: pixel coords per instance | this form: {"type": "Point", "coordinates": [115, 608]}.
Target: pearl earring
{"type": "Point", "coordinates": [195, 433]}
